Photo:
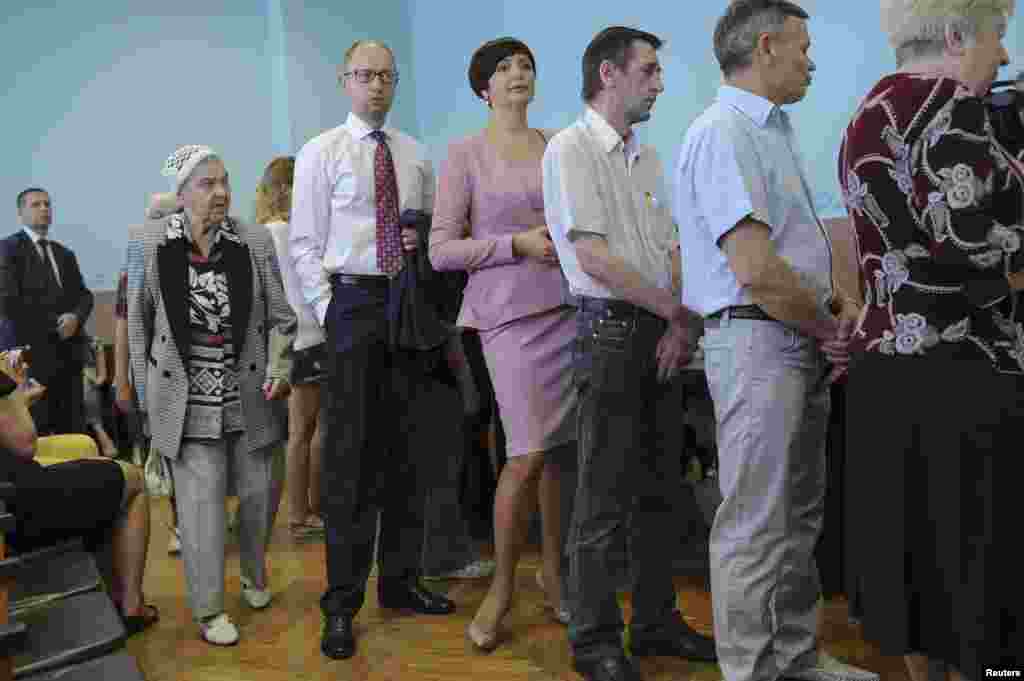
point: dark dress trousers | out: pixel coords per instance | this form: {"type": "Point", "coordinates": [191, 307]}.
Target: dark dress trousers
{"type": "Point", "coordinates": [31, 301]}
{"type": "Point", "coordinates": [370, 463]}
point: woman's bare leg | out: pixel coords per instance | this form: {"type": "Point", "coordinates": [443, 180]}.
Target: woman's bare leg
{"type": "Point", "coordinates": [303, 412]}
{"type": "Point", "coordinates": [130, 542]}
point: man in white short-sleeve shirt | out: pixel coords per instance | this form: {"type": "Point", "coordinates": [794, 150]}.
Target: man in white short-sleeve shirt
{"type": "Point", "coordinates": [758, 267]}
{"type": "Point", "coordinates": [610, 224]}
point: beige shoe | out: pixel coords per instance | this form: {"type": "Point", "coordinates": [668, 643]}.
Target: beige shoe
{"type": "Point", "coordinates": [485, 641]}
{"type": "Point", "coordinates": [219, 630]}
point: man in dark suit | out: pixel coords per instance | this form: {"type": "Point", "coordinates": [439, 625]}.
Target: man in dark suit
{"type": "Point", "coordinates": [44, 304]}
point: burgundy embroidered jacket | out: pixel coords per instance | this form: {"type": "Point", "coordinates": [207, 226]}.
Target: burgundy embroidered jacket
{"type": "Point", "coordinates": [937, 208]}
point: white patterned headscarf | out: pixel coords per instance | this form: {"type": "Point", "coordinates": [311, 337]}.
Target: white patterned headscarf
{"type": "Point", "coordinates": [179, 166]}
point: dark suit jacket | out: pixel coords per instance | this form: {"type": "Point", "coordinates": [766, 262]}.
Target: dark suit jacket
{"type": "Point", "coordinates": [31, 301]}
{"type": "Point", "coordinates": [417, 295]}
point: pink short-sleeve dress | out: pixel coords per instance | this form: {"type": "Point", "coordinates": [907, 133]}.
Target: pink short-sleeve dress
{"type": "Point", "coordinates": [518, 305]}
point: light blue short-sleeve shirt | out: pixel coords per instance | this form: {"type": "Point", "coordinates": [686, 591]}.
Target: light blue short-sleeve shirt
{"type": "Point", "coordinates": [739, 160]}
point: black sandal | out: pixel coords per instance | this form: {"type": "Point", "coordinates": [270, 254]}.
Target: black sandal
{"type": "Point", "coordinates": [133, 624]}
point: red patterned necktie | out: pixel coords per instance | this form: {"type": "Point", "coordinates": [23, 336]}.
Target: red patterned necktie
{"type": "Point", "coordinates": [385, 187]}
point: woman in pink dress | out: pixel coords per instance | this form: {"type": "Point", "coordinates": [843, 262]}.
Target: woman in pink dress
{"type": "Point", "coordinates": [489, 220]}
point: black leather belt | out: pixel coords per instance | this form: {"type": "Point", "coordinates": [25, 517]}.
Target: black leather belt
{"type": "Point", "coordinates": [619, 308]}
{"type": "Point", "coordinates": [741, 312]}
{"type": "Point", "coordinates": [370, 281]}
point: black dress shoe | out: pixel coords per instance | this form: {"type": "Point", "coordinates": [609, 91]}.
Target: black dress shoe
{"type": "Point", "coordinates": [609, 669]}
{"type": "Point", "coordinates": [682, 642]}
{"type": "Point", "coordinates": [412, 596]}
{"type": "Point", "coordinates": [338, 642]}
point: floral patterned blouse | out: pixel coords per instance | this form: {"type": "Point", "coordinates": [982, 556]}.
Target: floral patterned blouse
{"type": "Point", "coordinates": [937, 203]}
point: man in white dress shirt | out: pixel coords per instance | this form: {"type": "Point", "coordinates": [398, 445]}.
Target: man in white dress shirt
{"type": "Point", "coordinates": [351, 185]}
{"type": "Point", "coordinates": [609, 220]}
{"type": "Point", "coordinates": [759, 269]}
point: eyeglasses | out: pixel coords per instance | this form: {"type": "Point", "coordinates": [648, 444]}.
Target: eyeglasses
{"type": "Point", "coordinates": [364, 76]}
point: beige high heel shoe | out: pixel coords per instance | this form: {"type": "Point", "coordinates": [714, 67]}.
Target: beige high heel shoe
{"type": "Point", "coordinates": [485, 641]}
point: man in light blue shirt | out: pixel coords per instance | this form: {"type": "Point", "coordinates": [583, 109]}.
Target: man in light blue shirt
{"type": "Point", "coordinates": [758, 268]}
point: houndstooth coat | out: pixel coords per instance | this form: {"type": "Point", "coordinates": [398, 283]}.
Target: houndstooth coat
{"type": "Point", "coordinates": [159, 334]}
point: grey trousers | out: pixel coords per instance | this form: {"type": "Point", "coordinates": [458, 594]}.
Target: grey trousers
{"type": "Point", "coordinates": [201, 474]}
{"type": "Point", "coordinates": [771, 408]}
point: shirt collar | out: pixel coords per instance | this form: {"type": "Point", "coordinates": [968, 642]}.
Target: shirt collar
{"type": "Point", "coordinates": [360, 129]}
{"type": "Point", "coordinates": [32, 234]}
{"type": "Point", "coordinates": [609, 139]}
{"type": "Point", "coordinates": [755, 107]}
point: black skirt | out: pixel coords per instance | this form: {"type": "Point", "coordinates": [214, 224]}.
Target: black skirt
{"type": "Point", "coordinates": [76, 499]}
{"type": "Point", "coordinates": [932, 478]}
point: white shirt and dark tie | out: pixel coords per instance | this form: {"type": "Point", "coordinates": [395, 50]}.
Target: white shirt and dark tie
{"type": "Point", "coordinates": [45, 252]}
{"type": "Point", "coordinates": [334, 205]}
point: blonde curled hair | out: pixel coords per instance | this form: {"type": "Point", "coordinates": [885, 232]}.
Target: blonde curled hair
{"type": "Point", "coordinates": [917, 28]}
{"type": "Point", "coordinates": [274, 192]}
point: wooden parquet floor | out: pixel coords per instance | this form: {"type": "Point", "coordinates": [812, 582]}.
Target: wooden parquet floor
{"type": "Point", "coordinates": [282, 642]}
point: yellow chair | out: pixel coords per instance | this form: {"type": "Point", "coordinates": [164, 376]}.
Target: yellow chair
{"type": "Point", "coordinates": [59, 448]}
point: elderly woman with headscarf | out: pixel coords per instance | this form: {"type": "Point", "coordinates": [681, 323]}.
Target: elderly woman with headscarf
{"type": "Point", "coordinates": [489, 220]}
{"type": "Point", "coordinates": [199, 320]}
{"type": "Point", "coordinates": [936, 394]}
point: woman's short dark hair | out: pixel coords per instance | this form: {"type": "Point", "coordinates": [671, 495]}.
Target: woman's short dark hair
{"type": "Point", "coordinates": [487, 57]}
{"type": "Point", "coordinates": [614, 44]}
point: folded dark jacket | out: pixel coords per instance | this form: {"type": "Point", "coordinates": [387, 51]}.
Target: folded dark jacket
{"type": "Point", "coordinates": [419, 295]}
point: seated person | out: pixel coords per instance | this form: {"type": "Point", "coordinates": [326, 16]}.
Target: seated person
{"type": "Point", "coordinates": [98, 500]}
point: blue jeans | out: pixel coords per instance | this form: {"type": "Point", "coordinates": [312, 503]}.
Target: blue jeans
{"type": "Point", "coordinates": [630, 477]}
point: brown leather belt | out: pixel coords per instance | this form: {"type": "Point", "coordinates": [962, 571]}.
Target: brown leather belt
{"type": "Point", "coordinates": [367, 281]}
{"type": "Point", "coordinates": [741, 312]}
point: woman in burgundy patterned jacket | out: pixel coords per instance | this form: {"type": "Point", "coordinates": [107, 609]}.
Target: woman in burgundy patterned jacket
{"type": "Point", "coordinates": [935, 391]}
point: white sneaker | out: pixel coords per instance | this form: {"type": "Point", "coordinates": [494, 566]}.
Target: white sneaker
{"type": "Point", "coordinates": [220, 631]}
{"type": "Point", "coordinates": [256, 598]}
{"type": "Point", "coordinates": [829, 668]}
{"type": "Point", "coordinates": [481, 568]}
{"type": "Point", "coordinates": [174, 544]}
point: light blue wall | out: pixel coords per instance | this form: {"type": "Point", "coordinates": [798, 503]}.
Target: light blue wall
{"type": "Point", "coordinates": [96, 95]}
{"type": "Point", "coordinates": [849, 48]}
{"type": "Point", "coordinates": [317, 34]}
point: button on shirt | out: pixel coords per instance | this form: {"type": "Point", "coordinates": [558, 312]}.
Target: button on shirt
{"type": "Point", "coordinates": [334, 210]}
{"type": "Point", "coordinates": [739, 160]}
{"type": "Point", "coordinates": [596, 183]}
{"type": "Point", "coordinates": [48, 255]}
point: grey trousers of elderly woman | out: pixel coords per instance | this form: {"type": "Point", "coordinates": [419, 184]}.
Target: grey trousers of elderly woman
{"type": "Point", "coordinates": [201, 482]}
